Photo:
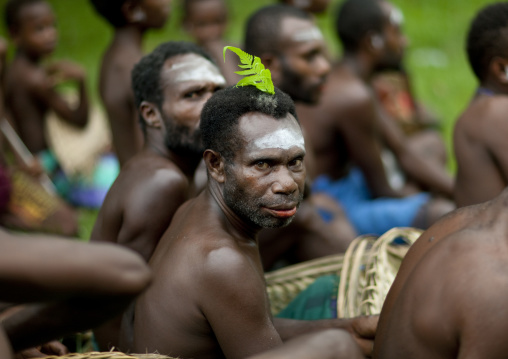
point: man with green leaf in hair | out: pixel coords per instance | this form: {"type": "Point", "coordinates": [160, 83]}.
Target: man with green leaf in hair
{"type": "Point", "coordinates": [208, 298]}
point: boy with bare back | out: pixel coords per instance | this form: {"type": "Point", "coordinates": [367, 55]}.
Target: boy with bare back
{"type": "Point", "coordinates": [480, 133]}
{"type": "Point", "coordinates": [130, 20]}
{"type": "Point", "coordinates": [208, 298]}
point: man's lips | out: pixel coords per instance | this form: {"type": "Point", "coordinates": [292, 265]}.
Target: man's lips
{"type": "Point", "coordinates": [282, 213]}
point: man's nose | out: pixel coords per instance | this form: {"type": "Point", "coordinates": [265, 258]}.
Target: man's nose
{"type": "Point", "coordinates": [323, 66]}
{"type": "Point", "coordinates": [284, 182]}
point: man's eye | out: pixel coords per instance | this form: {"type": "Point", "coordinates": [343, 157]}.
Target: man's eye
{"type": "Point", "coordinates": [192, 94]}
{"type": "Point", "coordinates": [262, 165]}
{"type": "Point", "coordinates": [296, 163]}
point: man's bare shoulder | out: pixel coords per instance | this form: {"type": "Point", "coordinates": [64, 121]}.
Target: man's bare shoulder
{"type": "Point", "coordinates": [344, 90]}
{"type": "Point", "coordinates": [482, 114]}
{"type": "Point", "coordinates": [150, 176]}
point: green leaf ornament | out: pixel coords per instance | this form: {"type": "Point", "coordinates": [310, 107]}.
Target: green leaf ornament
{"type": "Point", "coordinates": [255, 71]}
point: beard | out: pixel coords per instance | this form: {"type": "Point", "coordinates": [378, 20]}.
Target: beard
{"type": "Point", "coordinates": [293, 84]}
{"type": "Point", "coordinates": [182, 140]}
{"type": "Point", "coordinates": [249, 207]}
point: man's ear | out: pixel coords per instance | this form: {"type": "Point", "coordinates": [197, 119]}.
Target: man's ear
{"type": "Point", "coordinates": [273, 63]}
{"type": "Point", "coordinates": [150, 114]}
{"type": "Point", "coordinates": [132, 12]}
{"type": "Point", "coordinates": [498, 67]}
{"type": "Point", "coordinates": [373, 42]}
{"type": "Point", "coordinates": [215, 165]}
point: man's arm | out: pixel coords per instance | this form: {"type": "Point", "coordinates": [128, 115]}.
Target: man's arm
{"type": "Point", "coordinates": [361, 133]}
{"type": "Point", "coordinates": [43, 268]}
{"type": "Point", "coordinates": [363, 329]}
{"type": "Point", "coordinates": [77, 286]}
{"type": "Point", "coordinates": [328, 344]}
{"type": "Point", "coordinates": [235, 303]}
{"type": "Point", "coordinates": [426, 173]}
{"type": "Point", "coordinates": [43, 87]}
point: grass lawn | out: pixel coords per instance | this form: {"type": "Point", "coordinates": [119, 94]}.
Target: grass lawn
{"type": "Point", "coordinates": [436, 57]}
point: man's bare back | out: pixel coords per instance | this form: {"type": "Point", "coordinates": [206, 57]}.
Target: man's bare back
{"type": "Point", "coordinates": [449, 296]}
{"type": "Point", "coordinates": [136, 217]}
{"type": "Point", "coordinates": [480, 149]}
{"type": "Point", "coordinates": [332, 132]}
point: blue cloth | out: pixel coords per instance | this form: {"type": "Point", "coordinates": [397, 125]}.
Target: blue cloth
{"type": "Point", "coordinates": [79, 190]}
{"type": "Point", "coordinates": [367, 214]}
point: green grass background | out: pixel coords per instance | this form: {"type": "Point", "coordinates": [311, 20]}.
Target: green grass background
{"type": "Point", "coordinates": [436, 58]}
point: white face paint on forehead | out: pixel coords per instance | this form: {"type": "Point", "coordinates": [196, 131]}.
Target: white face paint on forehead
{"type": "Point", "coordinates": [196, 69]}
{"type": "Point", "coordinates": [283, 138]}
{"type": "Point", "coordinates": [396, 17]}
{"type": "Point", "coordinates": [310, 34]}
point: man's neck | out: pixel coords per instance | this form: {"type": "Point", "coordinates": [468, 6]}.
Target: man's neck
{"type": "Point", "coordinates": [492, 88]}
{"type": "Point", "coordinates": [237, 227]}
{"type": "Point", "coordinates": [129, 36]}
{"type": "Point", "coordinates": [358, 64]}
{"type": "Point", "coordinates": [186, 162]}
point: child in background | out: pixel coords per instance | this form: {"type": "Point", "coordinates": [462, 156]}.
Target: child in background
{"type": "Point", "coordinates": [206, 22]}
{"type": "Point", "coordinates": [130, 20]}
{"type": "Point", "coordinates": [30, 94]}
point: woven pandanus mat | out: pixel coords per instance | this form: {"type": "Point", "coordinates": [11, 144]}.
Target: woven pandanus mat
{"type": "Point", "coordinates": [109, 355]}
{"type": "Point", "coordinates": [369, 269]}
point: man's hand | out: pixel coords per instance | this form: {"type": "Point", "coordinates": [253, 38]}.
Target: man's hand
{"type": "Point", "coordinates": [61, 71]}
{"type": "Point", "coordinates": [363, 330]}
{"type": "Point", "coordinates": [52, 348]}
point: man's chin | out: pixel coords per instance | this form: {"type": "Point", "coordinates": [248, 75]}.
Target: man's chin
{"type": "Point", "coordinates": [278, 222]}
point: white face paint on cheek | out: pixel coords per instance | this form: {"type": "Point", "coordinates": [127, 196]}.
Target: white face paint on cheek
{"type": "Point", "coordinates": [283, 138]}
{"type": "Point", "coordinates": [307, 35]}
{"type": "Point", "coordinates": [198, 69]}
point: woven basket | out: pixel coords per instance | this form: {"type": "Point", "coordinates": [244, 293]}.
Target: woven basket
{"type": "Point", "coordinates": [369, 269]}
{"type": "Point", "coordinates": [360, 291]}
{"type": "Point", "coordinates": [109, 355]}
{"type": "Point", "coordinates": [284, 284]}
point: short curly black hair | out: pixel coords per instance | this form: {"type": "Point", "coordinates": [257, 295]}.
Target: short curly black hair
{"type": "Point", "coordinates": [487, 37]}
{"type": "Point", "coordinates": [355, 18]}
{"type": "Point", "coordinates": [146, 74]}
{"type": "Point", "coordinates": [111, 10]}
{"type": "Point", "coordinates": [220, 115]}
{"type": "Point", "coordinates": [12, 10]}
{"type": "Point", "coordinates": [263, 28]}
